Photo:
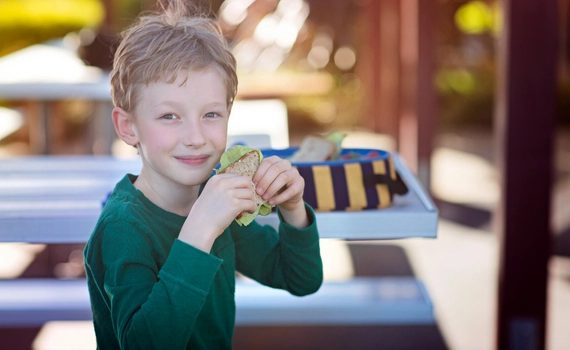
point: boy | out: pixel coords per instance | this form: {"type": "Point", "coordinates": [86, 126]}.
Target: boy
{"type": "Point", "coordinates": [161, 261]}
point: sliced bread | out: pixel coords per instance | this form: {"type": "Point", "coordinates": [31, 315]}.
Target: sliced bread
{"type": "Point", "coordinates": [246, 165]}
{"type": "Point", "coordinates": [314, 149]}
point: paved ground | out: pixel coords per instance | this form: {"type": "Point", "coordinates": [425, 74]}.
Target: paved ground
{"type": "Point", "coordinates": [460, 266]}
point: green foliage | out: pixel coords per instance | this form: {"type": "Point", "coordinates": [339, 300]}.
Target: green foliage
{"type": "Point", "coordinates": [466, 96]}
{"type": "Point", "coordinates": [27, 22]}
{"type": "Point", "coordinates": [476, 17]}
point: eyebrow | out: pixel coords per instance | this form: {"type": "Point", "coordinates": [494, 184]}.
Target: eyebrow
{"type": "Point", "coordinates": [166, 104]}
{"type": "Point", "coordinates": [217, 104]}
{"type": "Point", "coordinates": [175, 104]}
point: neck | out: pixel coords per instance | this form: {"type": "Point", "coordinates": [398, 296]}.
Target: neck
{"type": "Point", "coordinates": [175, 198]}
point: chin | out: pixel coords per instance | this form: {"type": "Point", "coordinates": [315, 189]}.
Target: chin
{"type": "Point", "coordinates": [192, 179]}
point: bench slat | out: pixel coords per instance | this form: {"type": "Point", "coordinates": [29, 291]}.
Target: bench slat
{"type": "Point", "coordinates": [359, 301]}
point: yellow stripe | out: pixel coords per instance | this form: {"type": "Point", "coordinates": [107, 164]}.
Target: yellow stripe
{"type": "Point", "coordinates": [324, 187]}
{"type": "Point", "coordinates": [356, 193]}
{"type": "Point", "coordinates": [379, 167]}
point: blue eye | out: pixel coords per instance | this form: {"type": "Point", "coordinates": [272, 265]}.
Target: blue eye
{"type": "Point", "coordinates": [212, 115]}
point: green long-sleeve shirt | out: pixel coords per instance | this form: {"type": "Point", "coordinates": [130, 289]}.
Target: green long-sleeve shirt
{"type": "Point", "coordinates": [150, 290]}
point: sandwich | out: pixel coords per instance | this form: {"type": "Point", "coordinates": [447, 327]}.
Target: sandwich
{"type": "Point", "coordinates": [313, 148]}
{"type": "Point", "coordinates": [317, 148]}
{"type": "Point", "coordinates": [244, 161]}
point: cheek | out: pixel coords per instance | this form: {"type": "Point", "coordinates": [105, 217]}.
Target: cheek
{"type": "Point", "coordinates": [221, 139]}
{"type": "Point", "coordinates": [218, 135]}
{"type": "Point", "coordinates": [159, 138]}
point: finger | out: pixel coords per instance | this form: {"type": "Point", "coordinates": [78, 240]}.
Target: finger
{"type": "Point", "coordinates": [243, 200]}
{"type": "Point", "coordinates": [288, 185]}
{"type": "Point", "coordinates": [293, 191]}
{"type": "Point", "coordinates": [250, 208]}
{"type": "Point", "coordinates": [228, 181]}
{"type": "Point", "coordinates": [271, 174]}
{"type": "Point", "coordinates": [282, 180]}
{"type": "Point", "coordinates": [246, 205]}
{"type": "Point", "coordinates": [265, 165]}
{"type": "Point", "coordinates": [242, 193]}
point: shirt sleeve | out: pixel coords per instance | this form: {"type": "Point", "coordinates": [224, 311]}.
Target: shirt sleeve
{"type": "Point", "coordinates": [288, 259]}
{"type": "Point", "coordinates": [141, 294]}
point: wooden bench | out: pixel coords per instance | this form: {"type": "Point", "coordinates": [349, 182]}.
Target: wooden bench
{"type": "Point", "coordinates": [358, 301]}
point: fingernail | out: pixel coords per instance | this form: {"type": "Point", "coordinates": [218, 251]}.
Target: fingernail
{"type": "Point", "coordinates": [259, 190]}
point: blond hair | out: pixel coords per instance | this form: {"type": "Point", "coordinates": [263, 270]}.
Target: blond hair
{"type": "Point", "coordinates": [161, 45]}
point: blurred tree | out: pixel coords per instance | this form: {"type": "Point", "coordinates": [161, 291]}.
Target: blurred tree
{"type": "Point", "coordinates": [465, 78]}
{"type": "Point", "coordinates": [118, 16]}
{"type": "Point", "coordinates": [27, 22]}
{"type": "Point", "coordinates": [467, 33]}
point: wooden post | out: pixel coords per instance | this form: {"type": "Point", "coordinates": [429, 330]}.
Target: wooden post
{"type": "Point", "coordinates": [382, 67]}
{"type": "Point", "coordinates": [525, 118]}
{"type": "Point", "coordinates": [417, 106]}
{"type": "Point", "coordinates": [369, 69]}
{"type": "Point", "coordinates": [36, 112]}
{"type": "Point", "coordinates": [389, 84]}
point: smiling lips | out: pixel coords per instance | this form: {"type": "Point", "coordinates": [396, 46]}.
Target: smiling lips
{"type": "Point", "coordinates": [193, 160]}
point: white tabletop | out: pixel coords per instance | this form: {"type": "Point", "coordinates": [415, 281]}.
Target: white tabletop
{"type": "Point", "coordinates": [57, 199]}
{"type": "Point", "coordinates": [51, 71]}
{"type": "Point", "coordinates": [98, 90]}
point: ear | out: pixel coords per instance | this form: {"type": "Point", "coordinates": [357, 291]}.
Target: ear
{"type": "Point", "coordinates": [124, 126]}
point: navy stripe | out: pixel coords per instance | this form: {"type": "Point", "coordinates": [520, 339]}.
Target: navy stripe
{"type": "Point", "coordinates": [388, 168]}
{"type": "Point", "coordinates": [371, 193]}
{"type": "Point", "coordinates": [309, 195]}
{"type": "Point", "coordinates": [340, 187]}
{"type": "Point", "coordinates": [389, 174]}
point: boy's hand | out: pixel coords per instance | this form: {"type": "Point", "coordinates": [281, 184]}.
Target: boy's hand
{"type": "Point", "coordinates": [222, 199]}
{"type": "Point", "coordinates": [279, 183]}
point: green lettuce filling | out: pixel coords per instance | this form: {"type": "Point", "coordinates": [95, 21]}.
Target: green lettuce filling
{"type": "Point", "coordinates": [231, 155]}
{"type": "Point", "coordinates": [336, 137]}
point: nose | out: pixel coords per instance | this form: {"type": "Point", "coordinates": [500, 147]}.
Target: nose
{"type": "Point", "coordinates": [192, 134]}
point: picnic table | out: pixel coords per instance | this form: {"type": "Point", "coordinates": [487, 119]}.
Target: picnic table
{"type": "Point", "coordinates": [42, 75]}
{"type": "Point", "coordinates": [57, 199]}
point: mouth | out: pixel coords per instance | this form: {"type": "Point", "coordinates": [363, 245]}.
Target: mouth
{"type": "Point", "coordinates": [193, 160]}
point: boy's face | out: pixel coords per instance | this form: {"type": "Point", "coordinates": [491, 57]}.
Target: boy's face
{"type": "Point", "coordinates": [182, 129]}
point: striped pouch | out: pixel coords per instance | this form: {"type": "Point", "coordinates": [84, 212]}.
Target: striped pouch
{"type": "Point", "coordinates": [353, 184]}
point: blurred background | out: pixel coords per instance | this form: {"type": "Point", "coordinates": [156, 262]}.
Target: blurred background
{"type": "Point", "coordinates": [418, 78]}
